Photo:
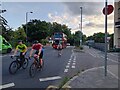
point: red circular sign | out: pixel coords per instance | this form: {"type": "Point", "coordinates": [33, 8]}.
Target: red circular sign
{"type": "Point", "coordinates": [110, 9]}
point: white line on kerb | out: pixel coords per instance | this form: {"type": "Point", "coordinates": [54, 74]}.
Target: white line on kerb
{"type": "Point", "coordinates": [7, 85]}
{"type": "Point", "coordinates": [49, 78]}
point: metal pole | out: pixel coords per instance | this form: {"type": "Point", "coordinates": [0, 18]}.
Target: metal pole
{"type": "Point", "coordinates": [26, 25]}
{"type": "Point", "coordinates": [106, 38]}
{"type": "Point", "coordinates": [81, 28]}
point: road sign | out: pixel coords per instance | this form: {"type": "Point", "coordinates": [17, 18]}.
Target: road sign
{"type": "Point", "coordinates": [110, 9]}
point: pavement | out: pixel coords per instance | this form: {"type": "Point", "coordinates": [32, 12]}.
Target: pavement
{"type": "Point", "coordinates": [95, 78]}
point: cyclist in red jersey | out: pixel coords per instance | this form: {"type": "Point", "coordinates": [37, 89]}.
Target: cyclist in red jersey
{"type": "Point", "coordinates": [39, 51]}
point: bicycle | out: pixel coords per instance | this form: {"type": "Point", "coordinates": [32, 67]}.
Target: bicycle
{"type": "Point", "coordinates": [36, 65]}
{"type": "Point", "coordinates": [59, 51]}
{"type": "Point", "coordinates": [17, 64]}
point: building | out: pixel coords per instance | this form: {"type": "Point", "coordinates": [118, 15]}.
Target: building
{"type": "Point", "coordinates": [117, 24]}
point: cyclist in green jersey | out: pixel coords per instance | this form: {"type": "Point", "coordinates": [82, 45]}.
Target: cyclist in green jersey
{"type": "Point", "coordinates": [22, 48]}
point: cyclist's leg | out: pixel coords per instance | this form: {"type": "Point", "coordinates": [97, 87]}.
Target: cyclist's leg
{"type": "Point", "coordinates": [22, 58]}
{"type": "Point", "coordinates": [40, 58]}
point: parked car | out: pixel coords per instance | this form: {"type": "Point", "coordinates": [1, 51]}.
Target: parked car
{"type": "Point", "coordinates": [5, 46]}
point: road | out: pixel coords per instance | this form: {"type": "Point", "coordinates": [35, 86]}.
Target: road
{"type": "Point", "coordinates": [55, 68]}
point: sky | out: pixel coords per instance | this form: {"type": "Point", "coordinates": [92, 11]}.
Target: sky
{"type": "Point", "coordinates": [68, 13]}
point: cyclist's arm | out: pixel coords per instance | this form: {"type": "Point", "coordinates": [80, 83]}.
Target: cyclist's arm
{"type": "Point", "coordinates": [39, 51]}
{"type": "Point", "coordinates": [15, 51]}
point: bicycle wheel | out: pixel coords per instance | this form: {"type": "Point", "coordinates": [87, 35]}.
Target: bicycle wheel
{"type": "Point", "coordinates": [32, 70]}
{"type": "Point", "coordinates": [25, 63]}
{"type": "Point", "coordinates": [13, 67]}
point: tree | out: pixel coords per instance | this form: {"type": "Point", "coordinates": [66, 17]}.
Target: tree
{"type": "Point", "coordinates": [5, 30]}
{"type": "Point", "coordinates": [38, 30]}
{"type": "Point", "coordinates": [111, 41]}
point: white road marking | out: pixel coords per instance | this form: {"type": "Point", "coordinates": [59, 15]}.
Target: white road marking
{"type": "Point", "coordinates": [70, 59]}
{"type": "Point", "coordinates": [74, 63]}
{"type": "Point", "coordinates": [109, 59]}
{"type": "Point", "coordinates": [5, 55]}
{"type": "Point", "coordinates": [73, 66]}
{"type": "Point", "coordinates": [68, 63]}
{"type": "Point", "coordinates": [50, 78]}
{"type": "Point", "coordinates": [7, 85]}
{"type": "Point", "coordinates": [66, 70]}
{"type": "Point", "coordinates": [113, 74]}
{"type": "Point", "coordinates": [113, 54]}
{"type": "Point", "coordinates": [92, 55]}
{"type": "Point", "coordinates": [67, 66]}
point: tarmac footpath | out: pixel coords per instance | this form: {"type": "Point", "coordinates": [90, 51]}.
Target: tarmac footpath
{"type": "Point", "coordinates": [95, 78]}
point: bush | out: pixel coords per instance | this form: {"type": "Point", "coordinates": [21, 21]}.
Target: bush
{"type": "Point", "coordinates": [44, 41]}
{"type": "Point", "coordinates": [79, 47]}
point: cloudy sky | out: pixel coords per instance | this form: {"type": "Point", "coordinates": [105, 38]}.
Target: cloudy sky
{"type": "Point", "coordinates": [61, 12]}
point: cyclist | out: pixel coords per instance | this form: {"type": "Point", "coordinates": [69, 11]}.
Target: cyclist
{"type": "Point", "coordinates": [22, 48]}
{"type": "Point", "coordinates": [39, 50]}
{"type": "Point", "coordinates": [59, 48]}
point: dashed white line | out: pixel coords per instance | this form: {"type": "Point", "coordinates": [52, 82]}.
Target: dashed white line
{"type": "Point", "coordinates": [67, 66]}
{"type": "Point", "coordinates": [50, 78]}
{"type": "Point", "coordinates": [66, 70]}
{"type": "Point", "coordinates": [74, 63]}
{"type": "Point", "coordinates": [7, 85]}
{"type": "Point", "coordinates": [68, 63]}
{"type": "Point", "coordinates": [73, 67]}
{"type": "Point", "coordinates": [70, 59]}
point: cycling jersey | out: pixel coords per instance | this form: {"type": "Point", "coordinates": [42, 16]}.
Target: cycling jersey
{"type": "Point", "coordinates": [37, 46]}
{"type": "Point", "coordinates": [21, 47]}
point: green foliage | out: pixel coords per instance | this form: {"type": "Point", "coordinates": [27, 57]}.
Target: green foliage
{"type": "Point", "coordinates": [111, 42]}
{"type": "Point", "coordinates": [64, 81]}
{"type": "Point", "coordinates": [44, 41]}
{"type": "Point", "coordinates": [38, 30]}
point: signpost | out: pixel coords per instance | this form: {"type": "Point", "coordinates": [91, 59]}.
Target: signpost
{"type": "Point", "coordinates": [108, 9]}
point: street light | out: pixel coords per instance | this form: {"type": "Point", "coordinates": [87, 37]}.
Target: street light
{"type": "Point", "coordinates": [81, 28]}
{"type": "Point", "coordinates": [2, 11]}
{"type": "Point", "coordinates": [26, 23]}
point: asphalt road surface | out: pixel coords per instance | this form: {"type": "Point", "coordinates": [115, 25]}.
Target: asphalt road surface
{"type": "Point", "coordinates": [55, 68]}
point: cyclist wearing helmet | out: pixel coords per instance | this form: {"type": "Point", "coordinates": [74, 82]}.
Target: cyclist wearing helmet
{"type": "Point", "coordinates": [59, 48]}
{"type": "Point", "coordinates": [39, 50]}
{"type": "Point", "coordinates": [22, 48]}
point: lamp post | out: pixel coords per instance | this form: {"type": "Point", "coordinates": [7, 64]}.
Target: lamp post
{"type": "Point", "coordinates": [81, 28]}
{"type": "Point", "coordinates": [26, 23]}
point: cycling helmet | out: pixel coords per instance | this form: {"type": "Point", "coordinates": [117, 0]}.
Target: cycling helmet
{"type": "Point", "coordinates": [36, 41]}
{"type": "Point", "coordinates": [20, 41]}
